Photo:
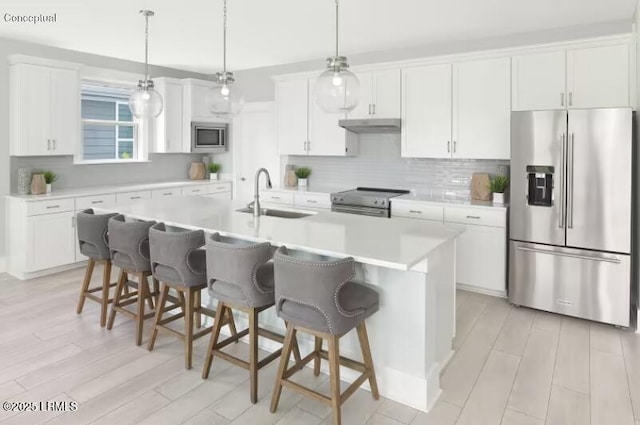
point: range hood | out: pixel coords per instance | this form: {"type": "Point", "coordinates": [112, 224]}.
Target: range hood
{"type": "Point", "coordinates": [371, 125]}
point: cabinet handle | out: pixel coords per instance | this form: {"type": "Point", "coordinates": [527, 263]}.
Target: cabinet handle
{"type": "Point", "coordinates": [96, 202]}
{"type": "Point", "coordinates": [275, 197]}
{"type": "Point", "coordinates": [51, 207]}
{"type": "Point", "coordinates": [54, 144]}
{"type": "Point", "coordinates": [135, 197]}
{"type": "Point", "coordinates": [369, 109]}
{"type": "Point", "coordinates": [48, 144]}
{"type": "Point", "coordinates": [561, 99]}
{"type": "Point", "coordinates": [310, 201]}
{"type": "Point", "coordinates": [374, 109]}
{"type": "Point", "coordinates": [455, 146]}
{"type": "Point", "coordinates": [448, 146]}
{"type": "Point", "coordinates": [415, 212]}
{"type": "Point", "coordinates": [167, 194]}
{"type": "Point", "coordinates": [570, 98]}
{"type": "Point", "coordinates": [308, 146]}
{"type": "Point", "coordinates": [475, 217]}
{"type": "Point", "coordinates": [195, 190]}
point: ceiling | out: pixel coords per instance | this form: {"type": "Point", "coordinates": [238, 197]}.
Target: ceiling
{"type": "Point", "coordinates": [188, 34]}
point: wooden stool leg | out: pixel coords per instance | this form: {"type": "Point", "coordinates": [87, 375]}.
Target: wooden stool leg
{"type": "Point", "coordinates": [148, 296]}
{"type": "Point", "coordinates": [142, 297]}
{"type": "Point", "coordinates": [231, 323]}
{"type": "Point", "coordinates": [334, 376]}
{"type": "Point", "coordinates": [282, 368]}
{"type": "Point", "coordinates": [85, 284]}
{"type": "Point", "coordinates": [122, 279]}
{"type": "Point", "coordinates": [316, 360]}
{"type": "Point", "coordinates": [159, 307]}
{"type": "Point", "coordinates": [215, 335]}
{"type": "Point", "coordinates": [106, 281]}
{"type": "Point", "coordinates": [367, 360]}
{"type": "Point", "coordinates": [198, 309]}
{"type": "Point", "coordinates": [156, 290]}
{"type": "Point", "coordinates": [188, 337]}
{"type": "Point", "coordinates": [253, 353]}
{"type": "Point", "coordinates": [182, 302]}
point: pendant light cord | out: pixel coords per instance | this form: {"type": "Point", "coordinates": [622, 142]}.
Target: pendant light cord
{"type": "Point", "coordinates": [224, 39]}
{"type": "Point", "coordinates": [337, 31]}
{"type": "Point", "coordinates": [146, 47]}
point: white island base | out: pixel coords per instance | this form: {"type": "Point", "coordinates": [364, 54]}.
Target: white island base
{"type": "Point", "coordinates": [411, 263]}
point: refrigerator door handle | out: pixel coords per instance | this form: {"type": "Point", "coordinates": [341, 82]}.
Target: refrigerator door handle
{"type": "Point", "coordinates": [614, 260]}
{"type": "Point", "coordinates": [571, 146]}
{"type": "Point", "coordinates": [563, 182]}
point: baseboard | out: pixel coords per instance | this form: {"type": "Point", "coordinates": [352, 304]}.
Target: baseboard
{"type": "Point", "coordinates": [41, 273]}
{"type": "Point", "coordinates": [483, 291]}
{"type": "Point", "coordinates": [3, 264]}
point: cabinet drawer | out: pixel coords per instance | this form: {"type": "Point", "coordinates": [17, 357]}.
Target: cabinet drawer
{"type": "Point", "coordinates": [276, 197]}
{"type": "Point", "coordinates": [219, 187]}
{"type": "Point", "coordinates": [312, 200]}
{"type": "Point", "coordinates": [416, 210]}
{"type": "Point", "coordinates": [165, 193]}
{"type": "Point", "coordinates": [128, 197]}
{"type": "Point", "coordinates": [50, 206]}
{"type": "Point", "coordinates": [85, 202]}
{"type": "Point", "coordinates": [195, 190]}
{"type": "Point", "coordinates": [480, 217]}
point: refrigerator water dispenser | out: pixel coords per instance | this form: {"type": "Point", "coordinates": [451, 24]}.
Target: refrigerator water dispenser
{"type": "Point", "coordinates": [540, 182]}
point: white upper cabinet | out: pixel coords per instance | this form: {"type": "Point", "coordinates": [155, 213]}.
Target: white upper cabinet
{"type": "Point", "coordinates": [578, 78]}
{"type": "Point", "coordinates": [44, 110]}
{"type": "Point", "coordinates": [426, 120]}
{"type": "Point", "coordinates": [292, 103]}
{"type": "Point", "coordinates": [482, 109]}
{"type": "Point", "coordinates": [303, 127]}
{"type": "Point", "coordinates": [539, 81]}
{"type": "Point", "coordinates": [169, 137]}
{"type": "Point", "coordinates": [380, 94]}
{"type": "Point", "coordinates": [598, 77]}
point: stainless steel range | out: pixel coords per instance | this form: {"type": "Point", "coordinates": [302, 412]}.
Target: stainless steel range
{"type": "Point", "coordinates": [365, 201]}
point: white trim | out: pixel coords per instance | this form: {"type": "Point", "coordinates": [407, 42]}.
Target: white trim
{"type": "Point", "coordinates": [3, 264]}
{"type": "Point", "coordinates": [474, 55]}
{"type": "Point", "coordinates": [477, 290]}
{"type": "Point", "coordinates": [34, 60]}
{"type": "Point", "coordinates": [110, 161]}
{"type": "Point", "coordinates": [41, 273]}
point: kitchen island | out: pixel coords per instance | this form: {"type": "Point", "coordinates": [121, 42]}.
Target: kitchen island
{"type": "Point", "coordinates": [411, 263]}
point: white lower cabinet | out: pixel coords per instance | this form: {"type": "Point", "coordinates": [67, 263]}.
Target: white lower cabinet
{"type": "Point", "coordinates": [481, 251]}
{"type": "Point", "coordinates": [219, 195]}
{"type": "Point", "coordinates": [129, 197]}
{"type": "Point", "coordinates": [51, 241]}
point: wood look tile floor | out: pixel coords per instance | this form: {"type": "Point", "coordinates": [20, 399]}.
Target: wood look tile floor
{"type": "Point", "coordinates": [513, 366]}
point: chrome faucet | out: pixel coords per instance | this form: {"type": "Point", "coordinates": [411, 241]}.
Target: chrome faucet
{"type": "Point", "coordinates": [256, 195]}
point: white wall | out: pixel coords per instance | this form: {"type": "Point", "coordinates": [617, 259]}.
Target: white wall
{"type": "Point", "coordinates": [10, 47]}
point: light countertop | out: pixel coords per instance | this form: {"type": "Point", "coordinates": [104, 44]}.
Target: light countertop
{"type": "Point", "coordinates": [450, 201]}
{"type": "Point", "coordinates": [103, 190]}
{"type": "Point", "coordinates": [398, 244]}
{"type": "Point", "coordinates": [315, 188]}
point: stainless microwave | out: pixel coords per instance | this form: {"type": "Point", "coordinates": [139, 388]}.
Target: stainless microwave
{"type": "Point", "coordinates": [208, 137]}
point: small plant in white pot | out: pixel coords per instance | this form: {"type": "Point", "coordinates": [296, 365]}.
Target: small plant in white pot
{"type": "Point", "coordinates": [49, 178]}
{"type": "Point", "coordinates": [214, 170]}
{"type": "Point", "coordinates": [303, 174]}
{"type": "Point", "coordinates": [498, 185]}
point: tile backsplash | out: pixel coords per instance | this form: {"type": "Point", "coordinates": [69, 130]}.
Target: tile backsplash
{"type": "Point", "coordinates": [378, 164]}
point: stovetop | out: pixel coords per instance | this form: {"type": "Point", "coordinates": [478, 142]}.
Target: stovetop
{"type": "Point", "coordinates": [366, 197]}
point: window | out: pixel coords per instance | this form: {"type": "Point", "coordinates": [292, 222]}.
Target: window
{"type": "Point", "coordinates": [109, 131]}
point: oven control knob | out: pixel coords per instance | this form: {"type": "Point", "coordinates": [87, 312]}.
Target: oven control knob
{"type": "Point", "coordinates": [382, 202]}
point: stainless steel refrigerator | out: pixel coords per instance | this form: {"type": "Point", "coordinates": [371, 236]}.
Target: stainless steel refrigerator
{"type": "Point", "coordinates": [570, 240]}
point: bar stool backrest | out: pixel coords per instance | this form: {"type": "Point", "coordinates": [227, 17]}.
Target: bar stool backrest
{"type": "Point", "coordinates": [93, 236]}
{"type": "Point", "coordinates": [129, 243]}
{"type": "Point", "coordinates": [307, 292]}
{"type": "Point", "coordinates": [176, 257]}
{"type": "Point", "coordinates": [241, 264]}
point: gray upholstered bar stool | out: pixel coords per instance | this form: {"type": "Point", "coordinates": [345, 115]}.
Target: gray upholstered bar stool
{"type": "Point", "coordinates": [178, 262]}
{"type": "Point", "coordinates": [240, 276]}
{"type": "Point", "coordinates": [93, 241]}
{"type": "Point", "coordinates": [129, 246]}
{"type": "Point", "coordinates": [319, 297]}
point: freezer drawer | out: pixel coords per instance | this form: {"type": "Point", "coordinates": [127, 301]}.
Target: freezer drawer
{"type": "Point", "coordinates": [586, 284]}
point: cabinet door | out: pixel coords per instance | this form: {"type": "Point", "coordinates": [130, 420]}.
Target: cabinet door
{"type": "Point", "coordinates": [326, 137]}
{"type": "Point", "coordinates": [169, 129]}
{"type": "Point", "coordinates": [292, 116]}
{"type": "Point", "coordinates": [220, 195]}
{"type": "Point", "coordinates": [51, 241]}
{"type": "Point", "coordinates": [481, 254]}
{"type": "Point", "coordinates": [426, 114]}
{"type": "Point", "coordinates": [364, 107]}
{"type": "Point", "coordinates": [35, 108]}
{"type": "Point", "coordinates": [598, 77]}
{"type": "Point", "coordinates": [482, 109]}
{"type": "Point", "coordinates": [65, 111]}
{"type": "Point", "coordinates": [387, 86]}
{"type": "Point", "coordinates": [538, 81]}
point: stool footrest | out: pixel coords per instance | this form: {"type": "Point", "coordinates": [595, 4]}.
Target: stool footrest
{"type": "Point", "coordinates": [344, 361]}
{"type": "Point", "coordinates": [307, 391]}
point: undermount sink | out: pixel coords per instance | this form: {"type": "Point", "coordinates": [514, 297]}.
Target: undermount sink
{"type": "Point", "coordinates": [269, 212]}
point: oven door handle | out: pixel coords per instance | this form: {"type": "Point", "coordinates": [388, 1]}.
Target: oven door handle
{"type": "Point", "coordinates": [374, 212]}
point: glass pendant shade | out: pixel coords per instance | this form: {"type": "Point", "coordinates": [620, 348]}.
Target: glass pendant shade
{"type": "Point", "coordinates": [146, 102]}
{"type": "Point", "coordinates": [337, 90]}
{"type": "Point", "coordinates": [224, 98]}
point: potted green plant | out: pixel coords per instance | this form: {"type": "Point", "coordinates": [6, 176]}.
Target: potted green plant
{"type": "Point", "coordinates": [49, 178]}
{"type": "Point", "coordinates": [498, 185]}
{"type": "Point", "coordinates": [214, 169]}
{"type": "Point", "coordinates": [303, 174]}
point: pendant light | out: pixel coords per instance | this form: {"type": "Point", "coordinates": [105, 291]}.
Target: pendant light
{"type": "Point", "coordinates": [146, 102]}
{"type": "Point", "coordinates": [337, 88]}
{"type": "Point", "coordinates": [224, 98]}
